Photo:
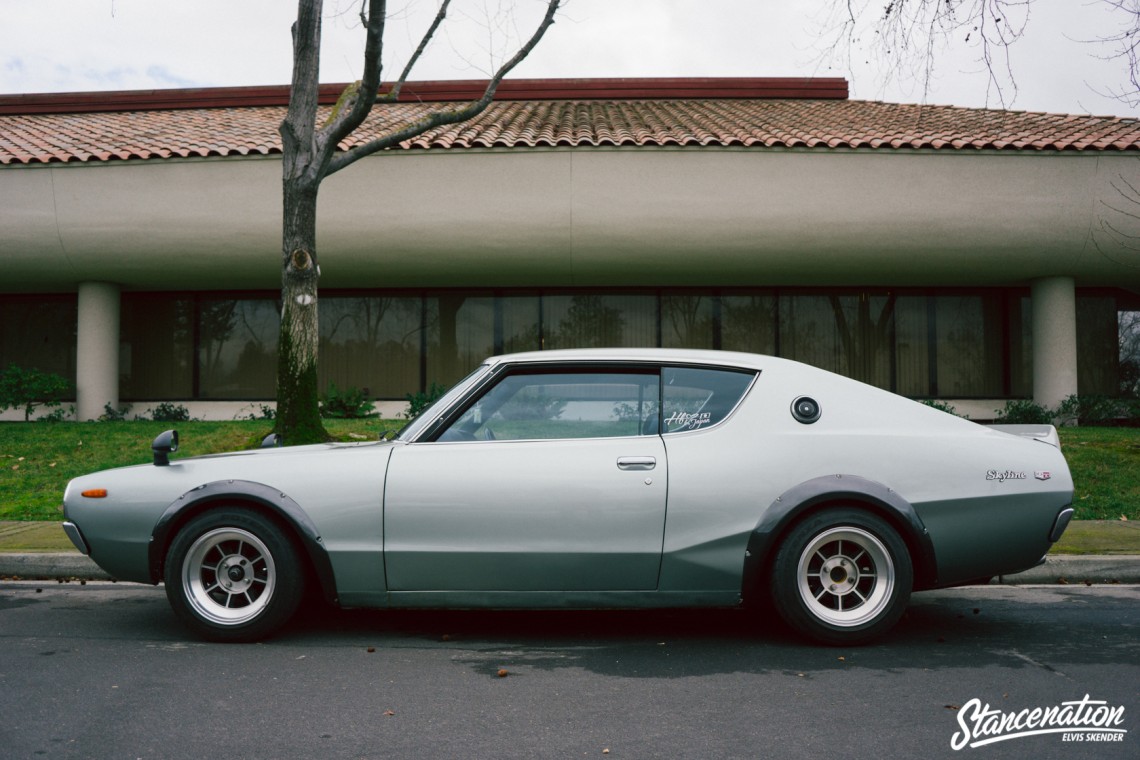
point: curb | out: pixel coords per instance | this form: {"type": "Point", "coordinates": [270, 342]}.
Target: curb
{"type": "Point", "coordinates": [1058, 569]}
{"type": "Point", "coordinates": [50, 566]}
{"type": "Point", "coordinates": [1068, 568]}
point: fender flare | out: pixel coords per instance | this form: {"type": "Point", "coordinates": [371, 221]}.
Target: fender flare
{"type": "Point", "coordinates": [822, 492]}
{"type": "Point", "coordinates": [270, 499]}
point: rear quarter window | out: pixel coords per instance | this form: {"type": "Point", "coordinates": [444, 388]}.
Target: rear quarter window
{"type": "Point", "coordinates": [697, 398]}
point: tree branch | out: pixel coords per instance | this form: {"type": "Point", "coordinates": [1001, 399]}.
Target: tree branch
{"type": "Point", "coordinates": [395, 91]}
{"type": "Point", "coordinates": [449, 116]}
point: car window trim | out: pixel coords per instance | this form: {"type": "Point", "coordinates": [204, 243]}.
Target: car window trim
{"type": "Point", "coordinates": [436, 428]}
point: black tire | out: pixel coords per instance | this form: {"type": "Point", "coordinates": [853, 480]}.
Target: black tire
{"type": "Point", "coordinates": [842, 576]}
{"type": "Point", "coordinates": [233, 574]}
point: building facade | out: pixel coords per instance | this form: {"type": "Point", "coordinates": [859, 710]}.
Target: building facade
{"type": "Point", "coordinates": [959, 254]}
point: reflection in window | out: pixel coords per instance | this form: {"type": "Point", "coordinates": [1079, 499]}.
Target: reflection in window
{"type": "Point", "coordinates": [748, 323]}
{"type": "Point", "coordinates": [519, 317]}
{"type": "Point", "coordinates": [686, 321]}
{"type": "Point", "coordinates": [599, 321]}
{"type": "Point", "coordinates": [237, 348]}
{"type": "Point", "coordinates": [371, 343]}
{"type": "Point", "coordinates": [461, 334]}
{"type": "Point", "coordinates": [700, 398]}
{"type": "Point", "coordinates": [156, 351]}
{"type": "Point", "coordinates": [563, 405]}
{"type": "Point", "coordinates": [1098, 346]}
{"type": "Point", "coordinates": [968, 346]}
{"type": "Point", "coordinates": [39, 333]}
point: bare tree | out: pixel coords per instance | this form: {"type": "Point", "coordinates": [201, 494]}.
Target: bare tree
{"type": "Point", "coordinates": [908, 37]}
{"type": "Point", "coordinates": [1124, 44]}
{"type": "Point", "coordinates": [311, 154]}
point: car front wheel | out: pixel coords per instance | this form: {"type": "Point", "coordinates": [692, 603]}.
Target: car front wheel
{"type": "Point", "coordinates": [233, 575]}
{"type": "Point", "coordinates": [842, 576]}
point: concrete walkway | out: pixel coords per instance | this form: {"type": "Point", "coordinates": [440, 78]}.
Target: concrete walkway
{"type": "Point", "coordinates": [1091, 551]}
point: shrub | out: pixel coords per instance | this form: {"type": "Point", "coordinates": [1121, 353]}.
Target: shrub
{"type": "Point", "coordinates": [169, 412]}
{"type": "Point", "coordinates": [1024, 411]}
{"type": "Point", "coordinates": [1091, 410]}
{"type": "Point", "coordinates": [942, 406]}
{"type": "Point", "coordinates": [57, 415]}
{"type": "Point", "coordinates": [417, 402]}
{"type": "Point", "coordinates": [264, 412]}
{"type": "Point", "coordinates": [29, 388]}
{"type": "Point", "coordinates": [349, 404]}
{"type": "Point", "coordinates": [111, 414]}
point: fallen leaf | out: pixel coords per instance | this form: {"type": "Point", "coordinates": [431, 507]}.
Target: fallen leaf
{"type": "Point", "coordinates": [502, 673]}
{"type": "Point", "coordinates": [606, 751]}
{"type": "Point", "coordinates": [1123, 518]}
{"type": "Point", "coordinates": [371, 650]}
{"type": "Point", "coordinates": [842, 659]}
{"type": "Point", "coordinates": [953, 707]}
{"type": "Point", "coordinates": [1063, 581]}
{"type": "Point", "coordinates": [389, 713]}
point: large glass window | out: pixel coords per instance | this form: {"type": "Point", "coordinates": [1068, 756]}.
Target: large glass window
{"type": "Point", "coordinates": [560, 405]}
{"type": "Point", "coordinates": [1128, 335]}
{"type": "Point", "coordinates": [851, 334]}
{"type": "Point", "coordinates": [39, 333]}
{"type": "Point", "coordinates": [687, 320]}
{"type": "Point", "coordinates": [156, 352]}
{"type": "Point", "coordinates": [598, 321]}
{"type": "Point", "coordinates": [968, 343]}
{"type": "Point", "coordinates": [1098, 348]}
{"type": "Point", "coordinates": [748, 323]}
{"type": "Point", "coordinates": [371, 343]}
{"type": "Point", "coordinates": [237, 348]}
{"type": "Point", "coordinates": [917, 342]}
{"type": "Point", "coordinates": [461, 334]}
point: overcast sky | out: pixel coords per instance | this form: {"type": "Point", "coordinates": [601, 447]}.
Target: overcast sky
{"type": "Point", "coordinates": [74, 45]}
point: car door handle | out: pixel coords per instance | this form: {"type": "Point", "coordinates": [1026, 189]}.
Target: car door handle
{"type": "Point", "coordinates": [636, 463]}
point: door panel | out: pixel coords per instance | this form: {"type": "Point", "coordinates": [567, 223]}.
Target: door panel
{"type": "Point", "coordinates": [539, 515]}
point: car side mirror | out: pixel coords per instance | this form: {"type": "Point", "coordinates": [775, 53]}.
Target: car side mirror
{"type": "Point", "coordinates": [163, 446]}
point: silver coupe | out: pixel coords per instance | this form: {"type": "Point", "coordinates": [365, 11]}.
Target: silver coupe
{"type": "Point", "coordinates": [596, 479]}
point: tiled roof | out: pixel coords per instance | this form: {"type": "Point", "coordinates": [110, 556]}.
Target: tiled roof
{"type": "Point", "coordinates": [807, 122]}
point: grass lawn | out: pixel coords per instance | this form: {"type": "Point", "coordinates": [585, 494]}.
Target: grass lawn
{"type": "Point", "coordinates": [37, 459]}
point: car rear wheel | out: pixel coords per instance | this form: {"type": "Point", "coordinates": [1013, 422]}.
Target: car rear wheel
{"type": "Point", "coordinates": [233, 575]}
{"type": "Point", "coordinates": [842, 576]}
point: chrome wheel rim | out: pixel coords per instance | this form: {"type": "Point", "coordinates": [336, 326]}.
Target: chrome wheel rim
{"type": "Point", "coordinates": [228, 576]}
{"type": "Point", "coordinates": [846, 577]}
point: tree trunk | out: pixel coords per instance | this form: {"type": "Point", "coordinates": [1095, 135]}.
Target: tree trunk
{"type": "Point", "coordinates": [298, 412]}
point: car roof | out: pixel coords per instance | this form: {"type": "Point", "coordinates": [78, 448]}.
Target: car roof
{"type": "Point", "coordinates": [662, 355]}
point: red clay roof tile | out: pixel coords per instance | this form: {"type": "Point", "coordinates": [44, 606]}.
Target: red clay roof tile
{"type": "Point", "coordinates": [236, 130]}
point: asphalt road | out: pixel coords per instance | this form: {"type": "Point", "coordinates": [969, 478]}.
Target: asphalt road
{"type": "Point", "coordinates": [105, 671]}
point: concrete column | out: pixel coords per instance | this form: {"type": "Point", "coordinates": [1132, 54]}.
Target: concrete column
{"type": "Point", "coordinates": [1054, 340]}
{"type": "Point", "coordinates": [97, 357]}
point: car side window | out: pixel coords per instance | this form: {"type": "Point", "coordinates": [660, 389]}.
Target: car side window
{"type": "Point", "coordinates": [546, 405]}
{"type": "Point", "coordinates": [700, 398]}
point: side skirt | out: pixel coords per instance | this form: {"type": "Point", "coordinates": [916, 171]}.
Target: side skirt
{"type": "Point", "coordinates": [549, 600]}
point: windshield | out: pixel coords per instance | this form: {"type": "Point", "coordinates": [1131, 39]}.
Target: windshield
{"type": "Point", "coordinates": [428, 413]}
